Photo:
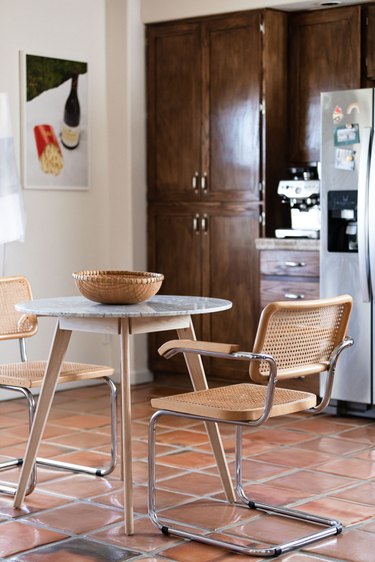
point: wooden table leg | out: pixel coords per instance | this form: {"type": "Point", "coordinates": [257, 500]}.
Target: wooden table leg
{"type": "Point", "coordinates": [47, 392]}
{"type": "Point", "coordinates": [126, 430]}
{"type": "Point", "coordinates": [199, 381]}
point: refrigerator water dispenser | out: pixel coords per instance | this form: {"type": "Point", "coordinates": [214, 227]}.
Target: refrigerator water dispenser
{"type": "Point", "coordinates": [342, 221]}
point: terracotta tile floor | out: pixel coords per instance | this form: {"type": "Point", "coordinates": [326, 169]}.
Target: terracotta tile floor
{"type": "Point", "coordinates": [324, 464]}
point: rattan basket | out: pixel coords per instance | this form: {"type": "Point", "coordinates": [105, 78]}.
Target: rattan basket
{"type": "Point", "coordinates": [118, 287]}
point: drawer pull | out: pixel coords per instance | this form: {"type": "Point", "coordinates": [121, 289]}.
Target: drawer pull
{"type": "Point", "coordinates": [294, 296]}
{"type": "Point", "coordinates": [295, 264]}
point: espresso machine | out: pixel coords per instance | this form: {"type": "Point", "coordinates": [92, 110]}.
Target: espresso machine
{"type": "Point", "coordinates": [301, 194]}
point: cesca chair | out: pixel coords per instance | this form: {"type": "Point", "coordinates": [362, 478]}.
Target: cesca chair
{"type": "Point", "coordinates": [294, 339]}
{"type": "Point", "coordinates": [22, 376]}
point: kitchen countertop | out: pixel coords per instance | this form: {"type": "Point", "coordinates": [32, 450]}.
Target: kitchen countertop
{"type": "Point", "coordinates": [287, 244]}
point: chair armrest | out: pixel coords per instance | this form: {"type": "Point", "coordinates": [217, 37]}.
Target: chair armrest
{"type": "Point", "coordinates": [173, 347]}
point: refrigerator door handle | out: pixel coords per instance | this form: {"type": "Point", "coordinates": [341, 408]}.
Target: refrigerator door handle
{"type": "Point", "coordinates": [371, 218]}
{"type": "Point", "coordinates": [363, 205]}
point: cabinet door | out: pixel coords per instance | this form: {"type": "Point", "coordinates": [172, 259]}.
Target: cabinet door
{"type": "Point", "coordinates": [232, 273]}
{"type": "Point", "coordinates": [174, 111]}
{"type": "Point", "coordinates": [232, 94]}
{"type": "Point", "coordinates": [174, 250]}
{"type": "Point", "coordinates": [370, 54]}
{"type": "Point", "coordinates": [324, 56]}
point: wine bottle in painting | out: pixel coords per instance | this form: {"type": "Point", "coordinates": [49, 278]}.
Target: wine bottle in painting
{"type": "Point", "coordinates": [70, 131]}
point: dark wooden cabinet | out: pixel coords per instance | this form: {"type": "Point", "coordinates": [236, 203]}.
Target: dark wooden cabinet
{"type": "Point", "coordinates": [208, 251]}
{"type": "Point", "coordinates": [204, 97]}
{"type": "Point", "coordinates": [324, 55]}
{"type": "Point", "coordinates": [174, 111]}
{"type": "Point", "coordinates": [211, 85]}
{"type": "Point", "coordinates": [214, 160]}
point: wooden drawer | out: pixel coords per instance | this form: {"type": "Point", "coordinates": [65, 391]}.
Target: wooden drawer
{"type": "Point", "coordinates": [288, 289]}
{"type": "Point", "coordinates": [289, 263]}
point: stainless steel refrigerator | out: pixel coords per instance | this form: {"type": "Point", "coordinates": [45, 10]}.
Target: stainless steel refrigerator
{"type": "Point", "coordinates": [347, 256]}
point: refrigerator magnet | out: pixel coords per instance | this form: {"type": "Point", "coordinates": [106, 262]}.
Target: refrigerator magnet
{"type": "Point", "coordinates": [344, 159]}
{"type": "Point", "coordinates": [346, 134]}
{"type": "Point", "coordinates": [337, 114]}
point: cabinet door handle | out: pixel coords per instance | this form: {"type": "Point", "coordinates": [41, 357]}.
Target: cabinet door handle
{"type": "Point", "coordinates": [204, 182]}
{"type": "Point", "coordinates": [196, 223]}
{"type": "Point", "coordinates": [294, 296]}
{"type": "Point", "coordinates": [295, 264]}
{"type": "Point", "coordinates": [194, 181]}
{"type": "Point", "coordinates": [204, 224]}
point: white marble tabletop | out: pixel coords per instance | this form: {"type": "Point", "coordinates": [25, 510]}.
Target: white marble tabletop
{"type": "Point", "coordinates": [159, 305]}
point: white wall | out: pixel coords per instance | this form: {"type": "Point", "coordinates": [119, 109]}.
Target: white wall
{"type": "Point", "coordinates": [163, 10]}
{"type": "Point", "coordinates": [71, 230]}
{"type": "Point", "coordinates": [127, 151]}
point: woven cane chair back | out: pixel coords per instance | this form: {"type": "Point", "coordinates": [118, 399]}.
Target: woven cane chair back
{"type": "Point", "coordinates": [300, 335]}
{"type": "Point", "coordinates": [14, 324]}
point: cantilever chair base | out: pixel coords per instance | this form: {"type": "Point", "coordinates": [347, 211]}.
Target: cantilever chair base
{"type": "Point", "coordinates": [330, 526]}
{"type": "Point", "coordinates": [60, 465]}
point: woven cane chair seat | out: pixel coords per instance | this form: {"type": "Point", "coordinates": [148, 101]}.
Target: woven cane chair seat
{"type": "Point", "coordinates": [239, 402]}
{"type": "Point", "coordinates": [30, 374]}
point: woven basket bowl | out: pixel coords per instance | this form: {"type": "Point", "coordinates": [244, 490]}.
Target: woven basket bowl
{"type": "Point", "coordinates": [118, 287]}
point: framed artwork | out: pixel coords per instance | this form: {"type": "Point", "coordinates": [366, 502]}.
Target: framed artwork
{"type": "Point", "coordinates": [54, 118]}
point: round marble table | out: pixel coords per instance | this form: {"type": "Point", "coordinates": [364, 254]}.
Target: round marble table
{"type": "Point", "coordinates": [162, 312]}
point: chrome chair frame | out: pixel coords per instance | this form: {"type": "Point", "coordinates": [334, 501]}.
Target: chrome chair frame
{"type": "Point", "coordinates": [61, 465]}
{"type": "Point", "coordinates": [331, 526]}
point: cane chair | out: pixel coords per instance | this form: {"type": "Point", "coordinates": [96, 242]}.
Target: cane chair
{"type": "Point", "coordinates": [22, 376]}
{"type": "Point", "coordinates": [294, 339]}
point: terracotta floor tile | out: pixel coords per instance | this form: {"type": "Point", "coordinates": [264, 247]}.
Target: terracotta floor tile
{"type": "Point", "coordinates": [208, 514]}
{"type": "Point", "coordinates": [77, 518]}
{"type": "Point", "coordinates": [333, 445]}
{"type": "Point", "coordinates": [193, 483]}
{"type": "Point", "coordinates": [323, 464]}
{"type": "Point", "coordinates": [86, 458]}
{"type": "Point", "coordinates": [367, 454]}
{"type": "Point", "coordinates": [33, 503]}
{"type": "Point", "coordinates": [361, 435]}
{"type": "Point", "coordinates": [249, 447]}
{"type": "Point", "coordinates": [362, 494]}
{"type": "Point", "coordinates": [78, 550]}
{"type": "Point", "coordinates": [353, 468]}
{"type": "Point", "coordinates": [17, 537]}
{"type": "Point", "coordinates": [275, 437]}
{"type": "Point", "coordinates": [293, 456]}
{"type": "Point", "coordinates": [194, 551]}
{"type": "Point", "coordinates": [81, 439]}
{"type": "Point", "coordinates": [347, 512]}
{"type": "Point", "coordinates": [273, 495]}
{"type": "Point", "coordinates": [182, 438]}
{"type": "Point", "coordinates": [164, 498]}
{"type": "Point", "coordinates": [187, 459]}
{"type": "Point", "coordinates": [80, 486]}
{"type": "Point", "coordinates": [369, 527]}
{"type": "Point", "coordinates": [145, 539]}
{"type": "Point", "coordinates": [300, 557]}
{"type": "Point", "coordinates": [312, 482]}
{"type": "Point", "coordinates": [85, 421]}
{"type": "Point", "coordinates": [272, 529]}
{"type": "Point", "coordinates": [350, 546]}
{"type": "Point", "coordinates": [323, 424]}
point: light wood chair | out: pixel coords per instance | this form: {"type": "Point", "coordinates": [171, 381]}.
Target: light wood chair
{"type": "Point", "coordinates": [24, 375]}
{"type": "Point", "coordinates": [294, 339]}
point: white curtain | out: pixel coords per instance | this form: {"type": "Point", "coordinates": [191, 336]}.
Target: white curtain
{"type": "Point", "coordinates": [12, 217]}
